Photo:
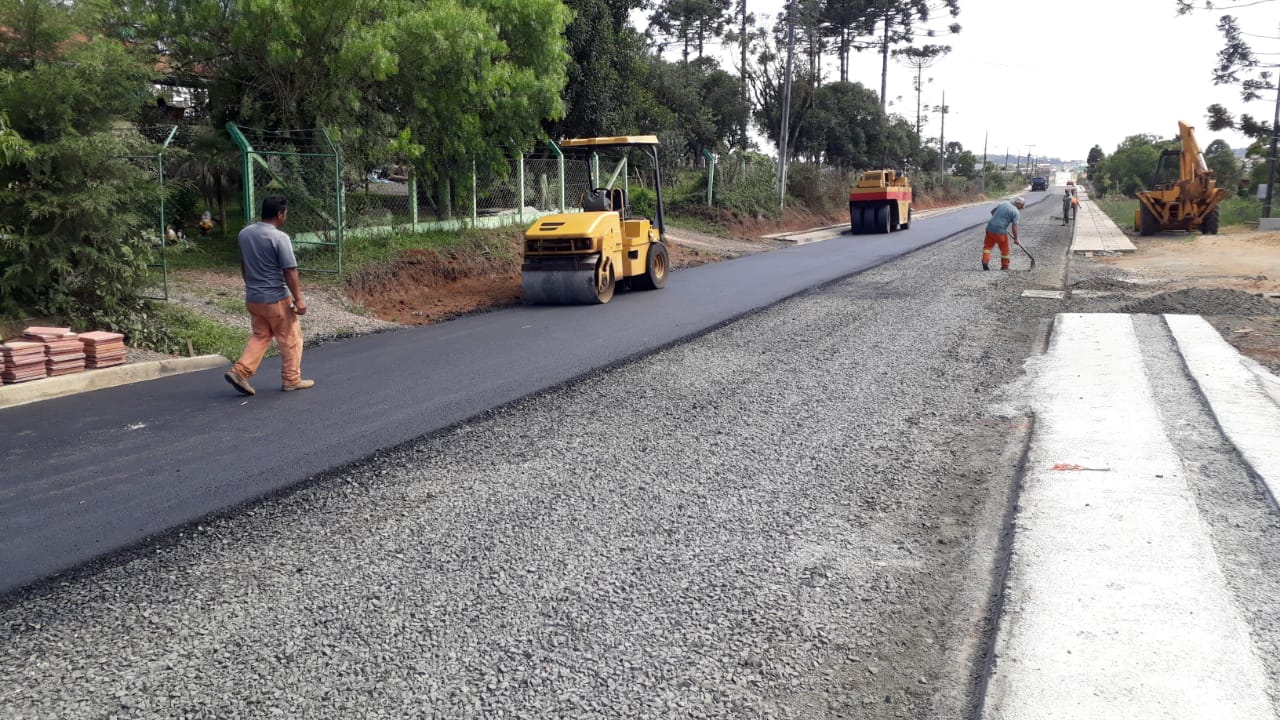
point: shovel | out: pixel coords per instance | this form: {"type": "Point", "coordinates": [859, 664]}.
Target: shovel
{"type": "Point", "coordinates": [1033, 260]}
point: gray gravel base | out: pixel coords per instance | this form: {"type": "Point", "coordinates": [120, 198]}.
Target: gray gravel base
{"type": "Point", "coordinates": [1243, 522]}
{"type": "Point", "coordinates": [790, 517]}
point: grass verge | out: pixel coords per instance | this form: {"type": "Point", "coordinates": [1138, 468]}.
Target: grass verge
{"type": "Point", "coordinates": [1232, 211]}
{"type": "Point", "coordinates": [206, 336]}
{"type": "Point", "coordinates": [1120, 210]}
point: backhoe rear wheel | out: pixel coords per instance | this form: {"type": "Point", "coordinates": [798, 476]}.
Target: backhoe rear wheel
{"type": "Point", "coordinates": [1147, 222]}
{"type": "Point", "coordinates": [1210, 224]}
{"type": "Point", "coordinates": [656, 266]}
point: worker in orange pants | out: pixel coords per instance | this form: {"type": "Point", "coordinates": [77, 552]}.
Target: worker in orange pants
{"type": "Point", "coordinates": [1003, 223]}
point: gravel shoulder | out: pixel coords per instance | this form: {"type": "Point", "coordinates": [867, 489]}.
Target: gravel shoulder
{"type": "Point", "coordinates": [788, 517]}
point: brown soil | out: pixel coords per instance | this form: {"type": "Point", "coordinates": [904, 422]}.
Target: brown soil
{"type": "Point", "coordinates": [425, 286]}
{"type": "Point", "coordinates": [1238, 259]}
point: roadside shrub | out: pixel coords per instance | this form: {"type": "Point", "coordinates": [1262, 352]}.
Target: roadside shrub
{"type": "Point", "coordinates": [1237, 210]}
{"type": "Point", "coordinates": [643, 202]}
{"type": "Point", "coordinates": [747, 185]}
{"type": "Point", "coordinates": [78, 216]}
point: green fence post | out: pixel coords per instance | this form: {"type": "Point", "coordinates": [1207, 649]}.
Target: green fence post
{"type": "Point", "coordinates": [338, 198]}
{"type": "Point", "coordinates": [245, 151]}
{"type": "Point", "coordinates": [560, 168]}
{"type": "Point", "coordinates": [520, 195]}
{"type": "Point", "coordinates": [711, 173]}
{"type": "Point", "coordinates": [413, 200]}
{"type": "Point", "coordinates": [474, 211]}
{"type": "Point", "coordinates": [164, 258]}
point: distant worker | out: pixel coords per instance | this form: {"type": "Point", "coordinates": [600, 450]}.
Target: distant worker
{"type": "Point", "coordinates": [273, 299]}
{"type": "Point", "coordinates": [1075, 206]}
{"type": "Point", "coordinates": [1004, 222]}
{"type": "Point", "coordinates": [1067, 202]}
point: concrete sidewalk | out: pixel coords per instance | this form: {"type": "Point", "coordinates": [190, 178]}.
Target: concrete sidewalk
{"type": "Point", "coordinates": [1116, 604]}
{"type": "Point", "coordinates": [1095, 232]}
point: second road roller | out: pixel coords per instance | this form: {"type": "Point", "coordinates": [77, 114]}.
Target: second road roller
{"type": "Point", "coordinates": [581, 257]}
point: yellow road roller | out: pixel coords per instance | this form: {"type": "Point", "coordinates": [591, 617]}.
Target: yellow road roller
{"type": "Point", "coordinates": [581, 257]}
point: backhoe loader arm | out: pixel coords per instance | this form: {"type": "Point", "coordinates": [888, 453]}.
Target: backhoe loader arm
{"type": "Point", "coordinates": [1193, 164]}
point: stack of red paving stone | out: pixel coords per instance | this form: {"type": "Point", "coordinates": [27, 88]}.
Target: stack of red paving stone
{"type": "Point", "coordinates": [21, 360]}
{"type": "Point", "coordinates": [103, 349]}
{"type": "Point", "coordinates": [63, 351]}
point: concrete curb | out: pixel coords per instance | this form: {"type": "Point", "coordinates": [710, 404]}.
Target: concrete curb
{"type": "Point", "coordinates": [49, 388]}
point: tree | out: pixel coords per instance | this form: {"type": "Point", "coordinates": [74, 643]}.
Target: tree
{"type": "Point", "coordinates": [77, 213]}
{"type": "Point", "coordinates": [843, 126]}
{"type": "Point", "coordinates": [897, 19]}
{"type": "Point", "coordinates": [696, 106]}
{"type": "Point", "coordinates": [692, 22]}
{"type": "Point", "coordinates": [1238, 65]}
{"type": "Point", "coordinates": [846, 21]}
{"type": "Point", "coordinates": [1096, 156]}
{"type": "Point", "coordinates": [919, 58]}
{"type": "Point", "coordinates": [1223, 162]}
{"type": "Point", "coordinates": [1132, 166]}
{"type": "Point", "coordinates": [607, 60]}
{"type": "Point", "coordinates": [455, 74]}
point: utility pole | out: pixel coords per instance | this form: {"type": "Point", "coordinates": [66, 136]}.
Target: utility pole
{"type": "Point", "coordinates": [786, 107]}
{"type": "Point", "coordinates": [1271, 173]}
{"type": "Point", "coordinates": [919, 77]}
{"type": "Point", "coordinates": [1029, 149]}
{"type": "Point", "coordinates": [884, 65]}
{"type": "Point", "coordinates": [942, 136]}
{"type": "Point", "coordinates": [743, 90]}
{"type": "Point", "coordinates": [984, 161]}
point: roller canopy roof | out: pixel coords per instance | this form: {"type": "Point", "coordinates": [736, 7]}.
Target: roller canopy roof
{"type": "Point", "coordinates": [610, 141]}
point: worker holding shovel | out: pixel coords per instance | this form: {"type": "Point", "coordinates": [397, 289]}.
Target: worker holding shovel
{"type": "Point", "coordinates": [1003, 223]}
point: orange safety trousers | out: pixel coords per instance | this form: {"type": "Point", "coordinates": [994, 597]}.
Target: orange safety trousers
{"type": "Point", "coordinates": [273, 320]}
{"type": "Point", "coordinates": [992, 241]}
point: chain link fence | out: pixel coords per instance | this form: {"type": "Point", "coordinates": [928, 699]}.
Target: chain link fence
{"type": "Point", "coordinates": [305, 166]}
{"type": "Point", "coordinates": [145, 147]}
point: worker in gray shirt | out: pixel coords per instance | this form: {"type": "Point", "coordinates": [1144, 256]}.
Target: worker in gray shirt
{"type": "Point", "coordinates": [1066, 206]}
{"type": "Point", "coordinates": [273, 299]}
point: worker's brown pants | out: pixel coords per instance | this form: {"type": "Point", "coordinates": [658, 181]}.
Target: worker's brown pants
{"type": "Point", "coordinates": [992, 241]}
{"type": "Point", "coordinates": [273, 320]}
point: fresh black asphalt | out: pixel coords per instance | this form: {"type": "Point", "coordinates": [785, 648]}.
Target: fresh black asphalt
{"type": "Point", "coordinates": [87, 475]}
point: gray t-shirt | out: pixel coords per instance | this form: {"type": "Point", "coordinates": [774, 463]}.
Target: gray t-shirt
{"type": "Point", "coordinates": [267, 253]}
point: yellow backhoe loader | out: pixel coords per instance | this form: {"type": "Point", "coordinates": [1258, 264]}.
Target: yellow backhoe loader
{"type": "Point", "coordinates": [580, 257]}
{"type": "Point", "coordinates": [1188, 203]}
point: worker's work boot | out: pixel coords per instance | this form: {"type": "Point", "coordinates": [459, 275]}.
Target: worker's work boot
{"type": "Point", "coordinates": [986, 266]}
{"type": "Point", "coordinates": [239, 382]}
{"type": "Point", "coordinates": [300, 385]}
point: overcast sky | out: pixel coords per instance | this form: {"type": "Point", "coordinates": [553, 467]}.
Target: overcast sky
{"type": "Point", "coordinates": [1064, 76]}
